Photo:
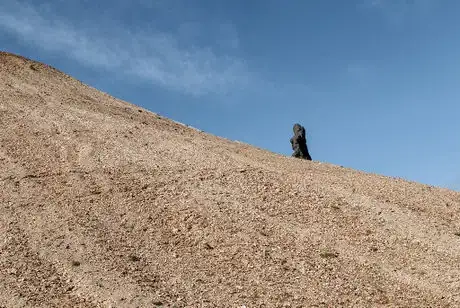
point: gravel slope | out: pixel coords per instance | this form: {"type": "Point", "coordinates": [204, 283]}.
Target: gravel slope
{"type": "Point", "coordinates": [105, 204]}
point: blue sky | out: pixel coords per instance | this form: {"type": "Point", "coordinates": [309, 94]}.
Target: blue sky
{"type": "Point", "coordinates": [374, 82]}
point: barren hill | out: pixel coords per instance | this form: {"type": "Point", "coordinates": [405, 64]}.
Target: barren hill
{"type": "Point", "coordinates": [105, 204]}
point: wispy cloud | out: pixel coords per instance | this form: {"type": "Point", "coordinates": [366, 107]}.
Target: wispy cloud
{"type": "Point", "coordinates": [154, 56]}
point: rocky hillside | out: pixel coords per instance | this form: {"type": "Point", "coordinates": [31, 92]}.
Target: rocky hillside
{"type": "Point", "coordinates": [105, 204]}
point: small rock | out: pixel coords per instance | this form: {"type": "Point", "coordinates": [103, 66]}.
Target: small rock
{"type": "Point", "coordinates": [134, 258]}
{"type": "Point", "coordinates": [329, 254]}
{"type": "Point", "coordinates": [76, 263]}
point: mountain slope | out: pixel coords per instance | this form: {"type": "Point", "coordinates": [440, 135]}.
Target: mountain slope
{"type": "Point", "coordinates": [105, 204]}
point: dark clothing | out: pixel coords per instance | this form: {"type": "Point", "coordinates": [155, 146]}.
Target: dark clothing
{"type": "Point", "coordinates": [299, 143]}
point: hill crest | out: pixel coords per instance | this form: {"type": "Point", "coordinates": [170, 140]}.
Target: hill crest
{"type": "Point", "coordinates": [105, 203]}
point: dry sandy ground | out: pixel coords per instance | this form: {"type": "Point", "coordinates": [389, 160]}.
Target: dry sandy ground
{"type": "Point", "coordinates": [105, 204]}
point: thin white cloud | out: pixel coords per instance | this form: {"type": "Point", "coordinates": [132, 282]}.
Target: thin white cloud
{"type": "Point", "coordinates": [150, 55]}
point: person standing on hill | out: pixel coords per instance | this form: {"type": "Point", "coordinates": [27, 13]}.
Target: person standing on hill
{"type": "Point", "coordinates": [299, 143]}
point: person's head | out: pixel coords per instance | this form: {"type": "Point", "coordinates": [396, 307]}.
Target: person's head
{"type": "Point", "coordinates": [297, 127]}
